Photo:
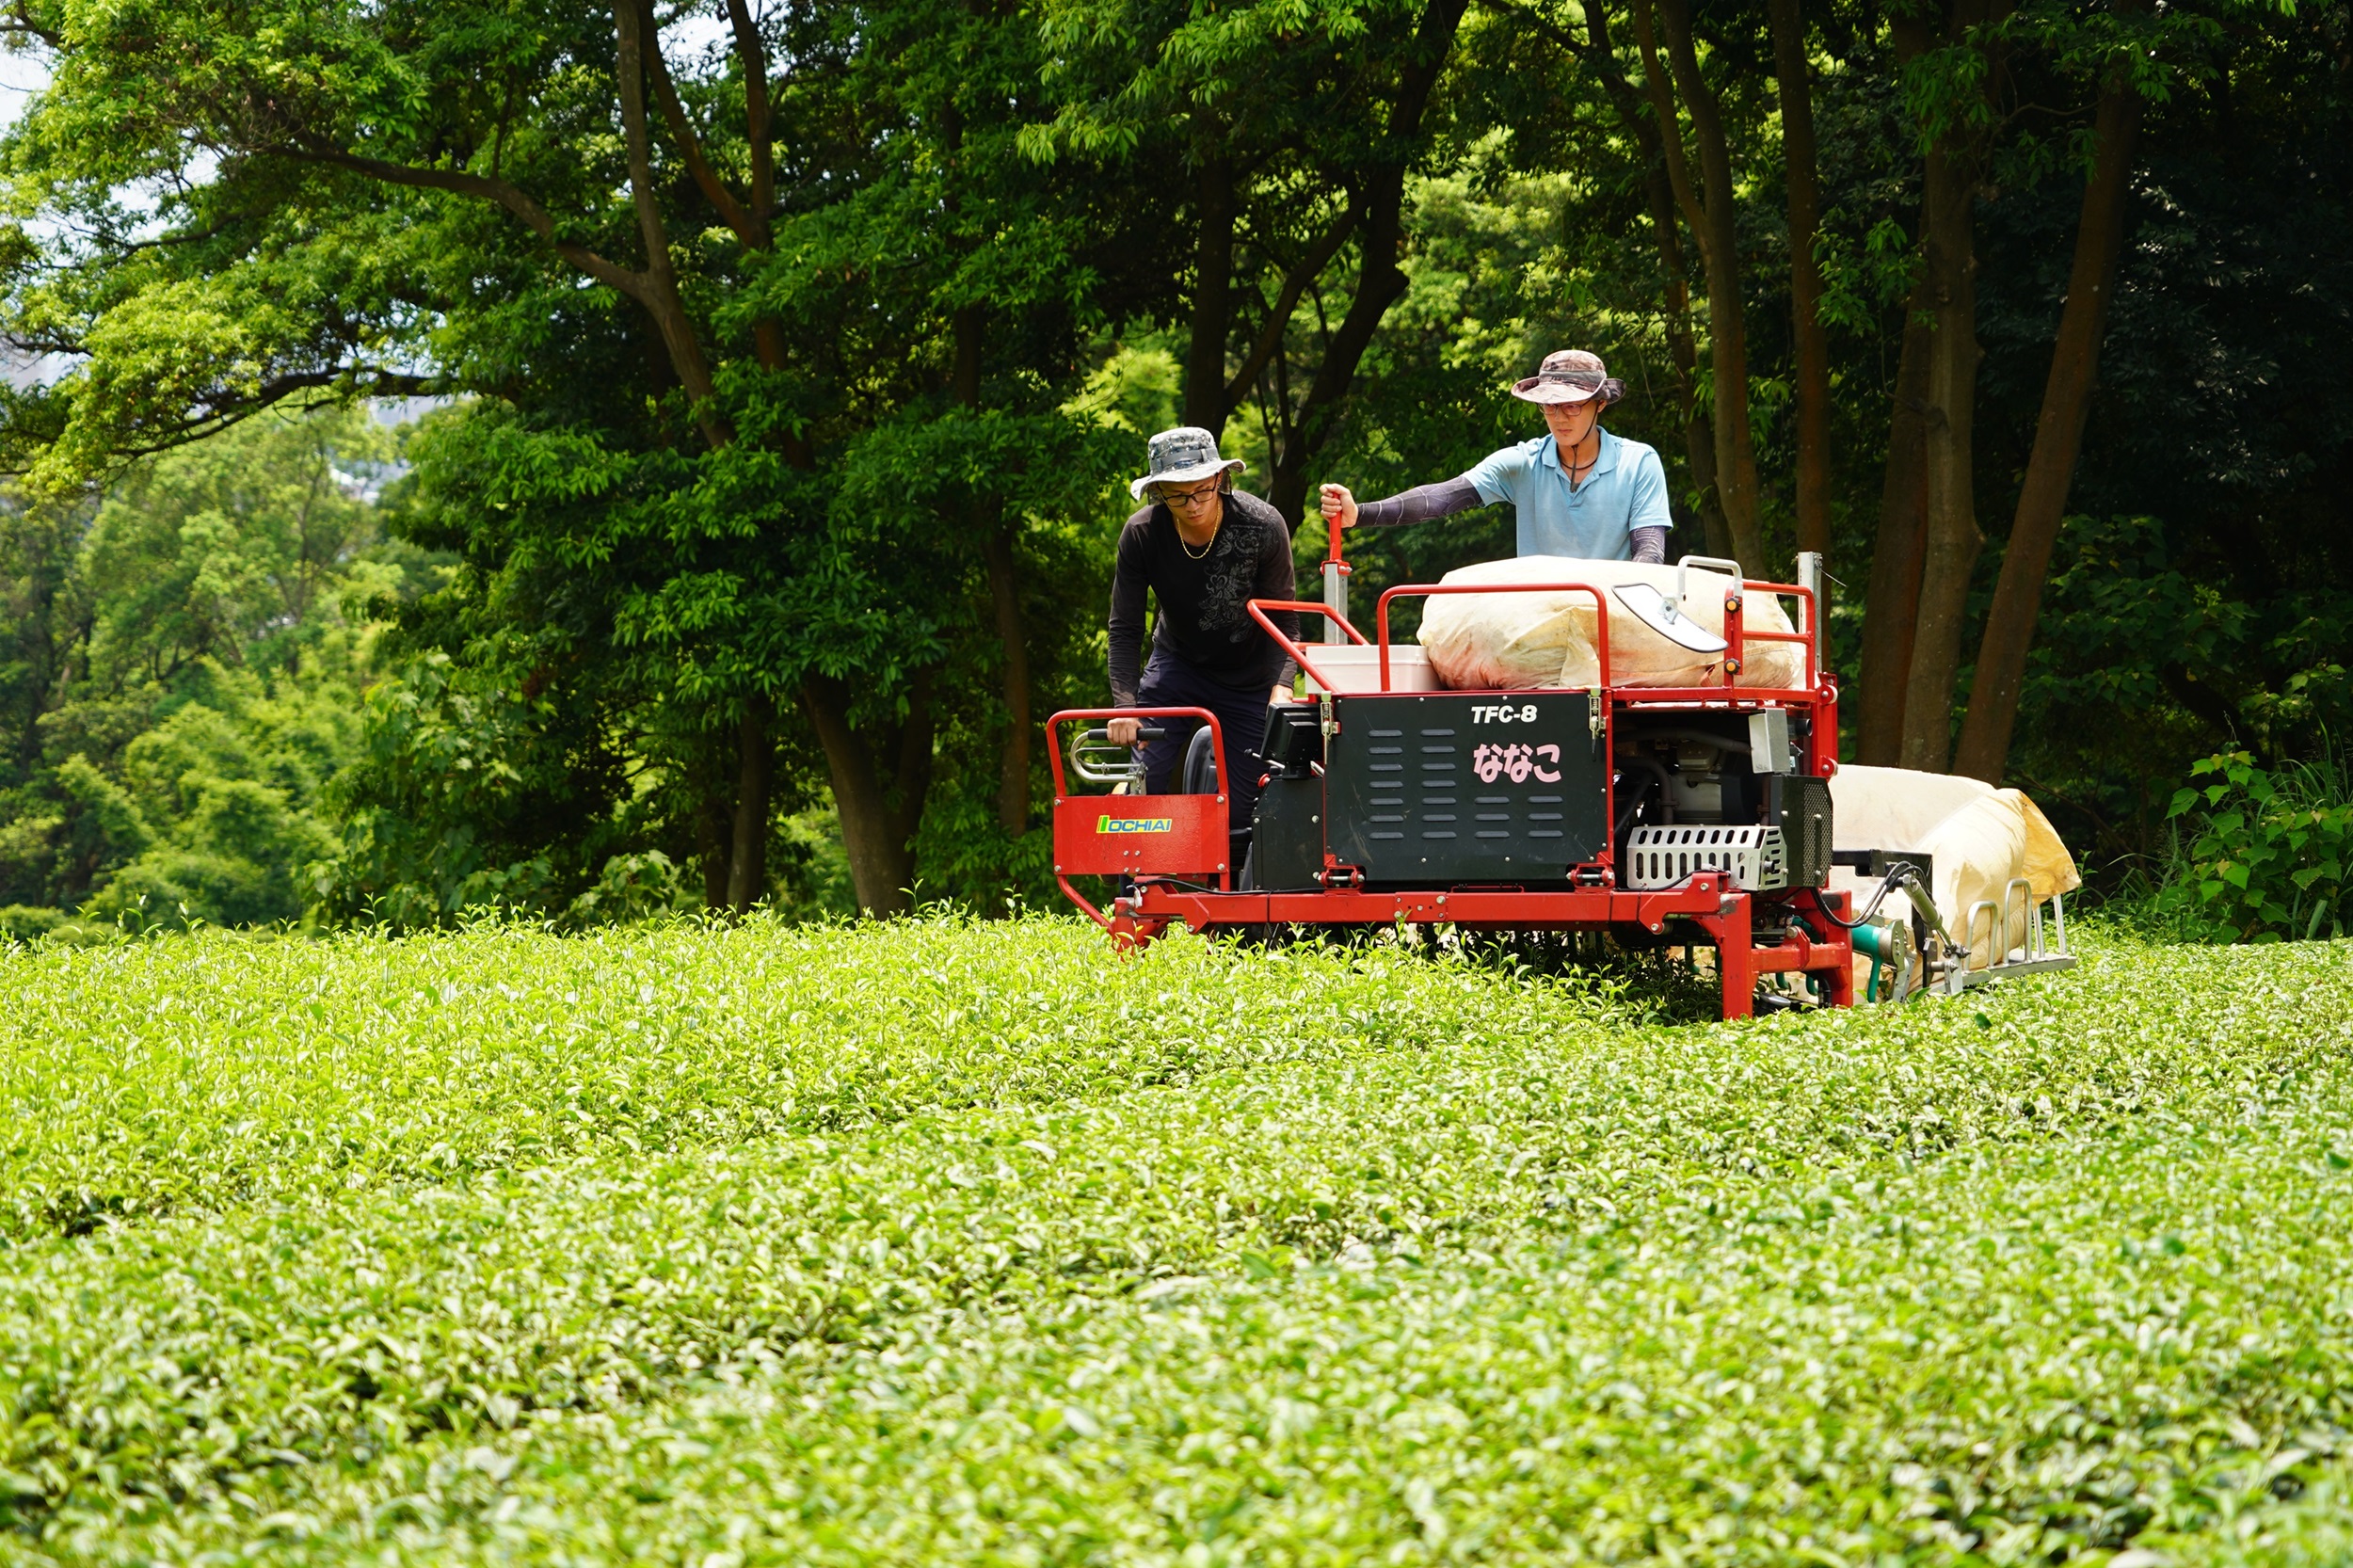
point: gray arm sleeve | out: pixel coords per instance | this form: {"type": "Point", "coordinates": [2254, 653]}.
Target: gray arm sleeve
{"type": "Point", "coordinates": [1650, 544]}
{"type": "Point", "coordinates": [1421, 504]}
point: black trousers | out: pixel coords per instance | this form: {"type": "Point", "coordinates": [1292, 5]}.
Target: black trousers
{"type": "Point", "coordinates": [1170, 682]}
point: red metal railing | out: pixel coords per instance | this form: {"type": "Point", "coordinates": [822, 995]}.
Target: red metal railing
{"type": "Point", "coordinates": [1737, 634]}
{"type": "Point", "coordinates": [1809, 638]}
{"type": "Point", "coordinates": [1068, 716]}
{"type": "Point", "coordinates": [1186, 837]}
{"type": "Point", "coordinates": [1258, 608]}
{"type": "Point", "coordinates": [1425, 590]}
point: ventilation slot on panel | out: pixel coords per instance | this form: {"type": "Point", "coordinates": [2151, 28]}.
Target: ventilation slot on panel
{"type": "Point", "coordinates": [1755, 859]}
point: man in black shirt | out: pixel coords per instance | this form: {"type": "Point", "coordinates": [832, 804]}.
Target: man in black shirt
{"type": "Point", "coordinates": [1204, 551]}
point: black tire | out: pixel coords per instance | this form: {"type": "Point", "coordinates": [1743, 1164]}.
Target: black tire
{"type": "Point", "coordinates": [1199, 777]}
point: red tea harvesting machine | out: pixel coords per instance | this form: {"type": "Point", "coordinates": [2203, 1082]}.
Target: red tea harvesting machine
{"type": "Point", "coordinates": [1698, 815]}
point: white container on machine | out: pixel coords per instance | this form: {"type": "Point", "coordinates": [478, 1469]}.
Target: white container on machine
{"type": "Point", "coordinates": [1355, 668]}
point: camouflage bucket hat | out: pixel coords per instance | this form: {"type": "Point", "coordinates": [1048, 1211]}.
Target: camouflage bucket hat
{"type": "Point", "coordinates": [1181, 455]}
{"type": "Point", "coordinates": [1571, 376]}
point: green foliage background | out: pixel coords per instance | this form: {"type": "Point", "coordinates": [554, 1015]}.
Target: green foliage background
{"type": "Point", "coordinates": [290, 672]}
{"type": "Point", "coordinates": [182, 676]}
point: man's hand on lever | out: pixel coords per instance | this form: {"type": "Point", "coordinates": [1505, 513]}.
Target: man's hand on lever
{"type": "Point", "coordinates": [1122, 732]}
{"type": "Point", "coordinates": [1338, 503]}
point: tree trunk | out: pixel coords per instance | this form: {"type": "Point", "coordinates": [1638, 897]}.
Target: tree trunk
{"type": "Point", "coordinates": [1805, 278]}
{"type": "Point", "coordinates": [660, 294]}
{"type": "Point", "coordinates": [1380, 281]}
{"type": "Point", "coordinates": [1708, 207]}
{"type": "Point", "coordinates": [712, 818]}
{"type": "Point", "coordinates": [1301, 276]}
{"type": "Point", "coordinates": [1380, 284]}
{"type": "Point", "coordinates": [1892, 603]}
{"type": "Point", "coordinates": [2009, 625]}
{"type": "Point", "coordinates": [964, 377]}
{"type": "Point", "coordinates": [911, 780]}
{"type": "Point", "coordinates": [1212, 297]}
{"type": "Point", "coordinates": [747, 853]}
{"type": "Point", "coordinates": [1004, 590]}
{"type": "Point", "coordinates": [1698, 431]}
{"type": "Point", "coordinates": [878, 830]}
{"type": "Point", "coordinates": [1948, 207]}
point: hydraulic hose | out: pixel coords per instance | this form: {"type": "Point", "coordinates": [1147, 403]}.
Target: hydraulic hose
{"type": "Point", "coordinates": [1903, 873]}
{"type": "Point", "coordinates": [1658, 771]}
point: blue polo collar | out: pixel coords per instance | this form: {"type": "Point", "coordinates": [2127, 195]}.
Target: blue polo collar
{"type": "Point", "coordinates": [1604, 460]}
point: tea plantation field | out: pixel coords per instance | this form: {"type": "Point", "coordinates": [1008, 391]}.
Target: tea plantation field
{"type": "Point", "coordinates": [954, 1243]}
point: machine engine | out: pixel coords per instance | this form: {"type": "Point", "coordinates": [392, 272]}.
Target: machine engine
{"type": "Point", "coordinates": [1719, 792]}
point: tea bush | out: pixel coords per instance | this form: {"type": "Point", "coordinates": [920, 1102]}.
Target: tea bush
{"type": "Point", "coordinates": [222, 1069]}
{"type": "Point", "coordinates": [949, 1242]}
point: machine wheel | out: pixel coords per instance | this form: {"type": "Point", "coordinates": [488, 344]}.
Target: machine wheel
{"type": "Point", "coordinates": [1200, 772]}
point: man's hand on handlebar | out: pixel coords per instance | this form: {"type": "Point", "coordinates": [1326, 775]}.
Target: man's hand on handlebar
{"type": "Point", "coordinates": [1122, 732]}
{"type": "Point", "coordinates": [1338, 503]}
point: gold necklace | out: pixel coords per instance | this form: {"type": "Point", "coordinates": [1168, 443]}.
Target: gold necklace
{"type": "Point", "coordinates": [1203, 553]}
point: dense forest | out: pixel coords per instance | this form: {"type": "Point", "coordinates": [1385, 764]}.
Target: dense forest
{"type": "Point", "coordinates": [582, 462]}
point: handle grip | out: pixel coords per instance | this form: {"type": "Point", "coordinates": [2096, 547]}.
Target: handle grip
{"type": "Point", "coordinates": [1097, 760]}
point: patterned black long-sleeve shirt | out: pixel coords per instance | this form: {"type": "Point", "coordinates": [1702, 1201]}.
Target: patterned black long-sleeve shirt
{"type": "Point", "coordinates": [1204, 616]}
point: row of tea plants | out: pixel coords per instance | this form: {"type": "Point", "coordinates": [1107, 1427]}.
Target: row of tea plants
{"type": "Point", "coordinates": [973, 1243]}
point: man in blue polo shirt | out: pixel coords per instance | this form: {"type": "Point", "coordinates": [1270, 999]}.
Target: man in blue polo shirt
{"type": "Point", "coordinates": [1579, 489]}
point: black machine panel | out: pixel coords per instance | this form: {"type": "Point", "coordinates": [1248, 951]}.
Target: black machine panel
{"type": "Point", "coordinates": [1800, 807]}
{"type": "Point", "coordinates": [1294, 738]}
{"type": "Point", "coordinates": [1445, 788]}
{"type": "Point", "coordinates": [1287, 841]}
{"type": "Point", "coordinates": [1286, 835]}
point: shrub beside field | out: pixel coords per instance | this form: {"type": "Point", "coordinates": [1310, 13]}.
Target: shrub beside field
{"type": "Point", "coordinates": [953, 1242]}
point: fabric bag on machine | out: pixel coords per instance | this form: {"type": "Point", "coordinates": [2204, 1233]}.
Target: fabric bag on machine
{"type": "Point", "coordinates": [1505, 641]}
{"type": "Point", "coordinates": [1979, 838]}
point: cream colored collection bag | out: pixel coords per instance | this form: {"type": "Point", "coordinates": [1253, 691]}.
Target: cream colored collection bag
{"type": "Point", "coordinates": [1980, 838]}
{"type": "Point", "coordinates": [1490, 642]}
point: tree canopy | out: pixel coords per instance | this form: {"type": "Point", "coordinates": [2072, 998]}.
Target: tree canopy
{"type": "Point", "coordinates": [785, 361]}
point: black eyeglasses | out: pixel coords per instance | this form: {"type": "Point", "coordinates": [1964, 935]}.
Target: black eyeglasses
{"type": "Point", "coordinates": [1189, 498]}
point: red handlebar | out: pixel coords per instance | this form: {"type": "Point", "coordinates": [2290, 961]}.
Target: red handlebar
{"type": "Point", "coordinates": [1258, 608]}
{"type": "Point", "coordinates": [1737, 632]}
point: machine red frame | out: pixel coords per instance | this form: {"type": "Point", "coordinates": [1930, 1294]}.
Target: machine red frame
{"type": "Point", "coordinates": [1258, 608]}
{"type": "Point", "coordinates": [1193, 828]}
{"type": "Point", "coordinates": [1811, 942]}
